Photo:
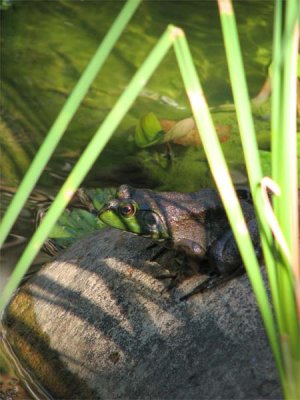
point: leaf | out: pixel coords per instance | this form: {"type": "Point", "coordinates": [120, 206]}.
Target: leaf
{"type": "Point", "coordinates": [148, 131]}
{"type": "Point", "coordinates": [180, 129]}
{"type": "Point", "coordinates": [75, 224]}
{"type": "Point", "coordinates": [79, 220]}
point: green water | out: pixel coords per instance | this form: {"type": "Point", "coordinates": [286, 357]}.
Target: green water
{"type": "Point", "coordinates": [46, 45]}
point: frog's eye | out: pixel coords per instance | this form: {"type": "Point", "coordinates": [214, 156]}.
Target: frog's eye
{"type": "Point", "coordinates": [127, 210]}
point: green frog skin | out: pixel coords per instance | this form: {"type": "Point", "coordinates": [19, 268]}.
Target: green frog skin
{"type": "Point", "coordinates": [193, 223]}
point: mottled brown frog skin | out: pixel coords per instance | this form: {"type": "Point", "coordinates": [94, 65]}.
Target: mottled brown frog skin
{"type": "Point", "coordinates": [193, 223]}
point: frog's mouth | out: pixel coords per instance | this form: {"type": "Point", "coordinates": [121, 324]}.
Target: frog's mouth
{"type": "Point", "coordinates": [129, 217]}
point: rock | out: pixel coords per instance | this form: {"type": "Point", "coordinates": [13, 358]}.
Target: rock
{"type": "Point", "coordinates": [96, 324]}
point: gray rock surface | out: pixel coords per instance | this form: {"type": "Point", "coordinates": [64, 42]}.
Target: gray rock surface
{"type": "Point", "coordinates": [97, 324]}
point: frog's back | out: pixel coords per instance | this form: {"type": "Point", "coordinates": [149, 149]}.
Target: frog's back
{"type": "Point", "coordinates": [198, 217]}
{"type": "Point", "coordinates": [194, 220]}
{"type": "Point", "coordinates": [195, 203]}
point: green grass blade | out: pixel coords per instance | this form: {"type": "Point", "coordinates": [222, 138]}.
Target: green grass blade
{"type": "Point", "coordinates": [284, 169]}
{"type": "Point", "coordinates": [249, 143]}
{"type": "Point", "coordinates": [86, 161]}
{"type": "Point", "coordinates": [48, 146]}
{"type": "Point", "coordinates": [221, 175]}
{"type": "Point", "coordinates": [276, 71]}
{"type": "Point", "coordinates": [276, 84]}
{"type": "Point", "coordinates": [248, 137]}
{"type": "Point", "coordinates": [284, 166]}
{"type": "Point", "coordinates": [286, 172]}
{"type": "Point", "coordinates": [240, 93]}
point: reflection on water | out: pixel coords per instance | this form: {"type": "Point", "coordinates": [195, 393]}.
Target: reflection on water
{"type": "Point", "coordinates": [15, 382]}
{"type": "Point", "coordinates": [16, 242]}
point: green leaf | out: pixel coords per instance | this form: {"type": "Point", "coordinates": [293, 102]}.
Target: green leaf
{"type": "Point", "coordinates": [148, 131]}
{"type": "Point", "coordinates": [78, 222]}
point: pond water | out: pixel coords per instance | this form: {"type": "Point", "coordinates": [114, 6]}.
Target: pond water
{"type": "Point", "coordinates": [45, 46]}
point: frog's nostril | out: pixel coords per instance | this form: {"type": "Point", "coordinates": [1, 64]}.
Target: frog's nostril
{"type": "Point", "coordinates": [103, 209]}
{"type": "Point", "coordinates": [110, 206]}
{"type": "Point", "coordinates": [113, 204]}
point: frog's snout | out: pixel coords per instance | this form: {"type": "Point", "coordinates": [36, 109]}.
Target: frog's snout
{"type": "Point", "coordinates": [110, 206]}
{"type": "Point", "coordinates": [109, 214]}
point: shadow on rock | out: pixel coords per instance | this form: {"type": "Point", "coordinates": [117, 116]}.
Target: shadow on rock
{"type": "Point", "coordinates": [96, 324]}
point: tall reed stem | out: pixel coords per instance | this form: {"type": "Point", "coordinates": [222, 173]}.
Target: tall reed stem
{"type": "Point", "coordinates": [224, 183]}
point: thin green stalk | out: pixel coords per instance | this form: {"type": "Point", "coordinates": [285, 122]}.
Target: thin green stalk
{"type": "Point", "coordinates": [87, 159]}
{"type": "Point", "coordinates": [280, 280]}
{"type": "Point", "coordinates": [284, 162]}
{"type": "Point", "coordinates": [240, 93]}
{"type": "Point", "coordinates": [276, 131]}
{"type": "Point", "coordinates": [66, 114]}
{"type": "Point", "coordinates": [221, 175]}
{"type": "Point", "coordinates": [284, 145]}
{"type": "Point", "coordinates": [286, 173]}
{"type": "Point", "coordinates": [276, 85]}
{"type": "Point", "coordinates": [248, 137]}
{"type": "Point", "coordinates": [249, 143]}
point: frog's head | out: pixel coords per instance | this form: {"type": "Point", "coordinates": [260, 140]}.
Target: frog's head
{"type": "Point", "coordinates": [134, 210]}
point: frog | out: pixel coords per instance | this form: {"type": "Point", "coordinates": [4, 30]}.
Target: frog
{"type": "Point", "coordinates": [194, 224]}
